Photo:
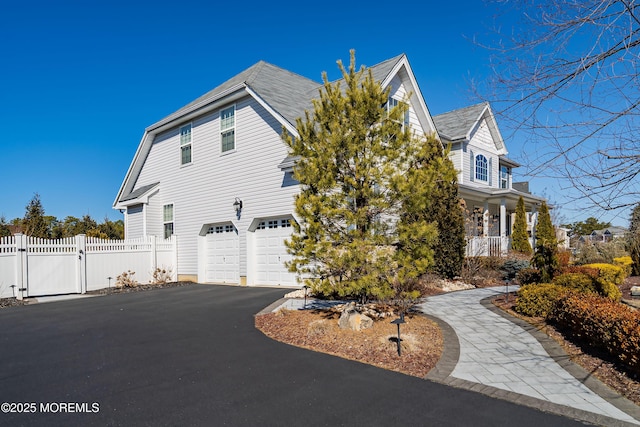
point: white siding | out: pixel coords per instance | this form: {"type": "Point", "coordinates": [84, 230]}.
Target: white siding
{"type": "Point", "coordinates": [399, 92]}
{"type": "Point", "coordinates": [153, 211]}
{"type": "Point", "coordinates": [456, 157]}
{"type": "Point", "coordinates": [203, 192]}
{"type": "Point", "coordinates": [134, 221]}
{"type": "Point", "coordinates": [481, 143]}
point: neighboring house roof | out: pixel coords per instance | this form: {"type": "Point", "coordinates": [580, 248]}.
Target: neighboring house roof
{"type": "Point", "coordinates": [283, 94]}
{"type": "Point", "coordinates": [460, 124]}
{"type": "Point", "coordinates": [613, 231]}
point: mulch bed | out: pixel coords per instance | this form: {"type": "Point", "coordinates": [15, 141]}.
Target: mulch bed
{"type": "Point", "coordinates": [139, 288]}
{"type": "Point", "coordinates": [421, 339]}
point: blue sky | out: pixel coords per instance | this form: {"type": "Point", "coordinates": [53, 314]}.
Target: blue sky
{"type": "Point", "coordinates": [81, 80]}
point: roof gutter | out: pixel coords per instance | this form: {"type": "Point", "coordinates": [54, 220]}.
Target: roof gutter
{"type": "Point", "coordinates": [201, 107]}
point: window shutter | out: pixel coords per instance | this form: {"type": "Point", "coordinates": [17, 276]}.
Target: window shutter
{"type": "Point", "coordinates": [472, 166]}
{"type": "Point", "coordinates": [490, 171]}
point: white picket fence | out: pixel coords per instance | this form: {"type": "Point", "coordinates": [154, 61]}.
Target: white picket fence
{"type": "Point", "coordinates": [32, 267]}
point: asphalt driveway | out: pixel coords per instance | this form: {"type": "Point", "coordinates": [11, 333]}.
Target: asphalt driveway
{"type": "Point", "coordinates": [191, 356]}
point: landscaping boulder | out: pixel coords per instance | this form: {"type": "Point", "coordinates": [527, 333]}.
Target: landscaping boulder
{"type": "Point", "coordinates": [352, 319]}
{"type": "Point", "coordinates": [635, 291]}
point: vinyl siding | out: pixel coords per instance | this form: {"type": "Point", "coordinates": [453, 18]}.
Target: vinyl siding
{"type": "Point", "coordinates": [399, 92]}
{"type": "Point", "coordinates": [203, 192]}
{"type": "Point", "coordinates": [481, 143]}
{"type": "Point", "coordinates": [135, 221]}
{"type": "Point", "coordinates": [153, 211]}
{"type": "Point", "coordinates": [456, 156]}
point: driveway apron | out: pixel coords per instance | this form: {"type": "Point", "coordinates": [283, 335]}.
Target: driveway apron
{"type": "Point", "coordinates": [497, 353]}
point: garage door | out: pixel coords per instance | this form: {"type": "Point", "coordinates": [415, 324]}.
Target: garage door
{"type": "Point", "coordinates": [271, 253]}
{"type": "Point", "coordinates": [222, 260]}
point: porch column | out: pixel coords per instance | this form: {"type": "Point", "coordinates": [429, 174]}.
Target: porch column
{"type": "Point", "coordinates": [534, 222]}
{"type": "Point", "coordinates": [485, 220]}
{"type": "Point", "coordinates": [503, 217]}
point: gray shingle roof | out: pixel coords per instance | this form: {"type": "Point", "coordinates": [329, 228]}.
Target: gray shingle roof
{"type": "Point", "coordinates": [287, 93]}
{"type": "Point", "coordinates": [138, 192]}
{"type": "Point", "coordinates": [456, 124]}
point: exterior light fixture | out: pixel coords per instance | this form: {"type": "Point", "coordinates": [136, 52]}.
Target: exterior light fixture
{"type": "Point", "coordinates": [399, 322]}
{"type": "Point", "coordinates": [237, 205]}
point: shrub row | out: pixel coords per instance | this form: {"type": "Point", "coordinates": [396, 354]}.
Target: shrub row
{"type": "Point", "coordinates": [610, 326]}
{"type": "Point", "coordinates": [603, 279]}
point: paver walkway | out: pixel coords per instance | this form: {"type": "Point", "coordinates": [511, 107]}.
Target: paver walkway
{"type": "Point", "coordinates": [499, 354]}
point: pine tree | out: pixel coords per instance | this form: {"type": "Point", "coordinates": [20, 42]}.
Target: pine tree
{"type": "Point", "coordinates": [4, 227]}
{"type": "Point", "coordinates": [34, 223]}
{"type": "Point", "coordinates": [520, 237]}
{"type": "Point", "coordinates": [633, 240]}
{"type": "Point", "coordinates": [445, 209]}
{"type": "Point", "coordinates": [545, 257]}
{"type": "Point", "coordinates": [365, 181]}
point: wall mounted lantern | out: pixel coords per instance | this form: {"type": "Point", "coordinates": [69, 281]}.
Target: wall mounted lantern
{"type": "Point", "coordinates": [237, 205]}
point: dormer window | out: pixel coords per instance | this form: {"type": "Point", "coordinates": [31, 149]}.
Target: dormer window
{"type": "Point", "coordinates": [482, 168]}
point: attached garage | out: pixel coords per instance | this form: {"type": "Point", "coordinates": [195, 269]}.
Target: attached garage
{"type": "Point", "coordinates": [222, 260]}
{"type": "Point", "coordinates": [271, 253]}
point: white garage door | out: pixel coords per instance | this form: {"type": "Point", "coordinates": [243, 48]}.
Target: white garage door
{"type": "Point", "coordinates": [222, 260]}
{"type": "Point", "coordinates": [271, 253]}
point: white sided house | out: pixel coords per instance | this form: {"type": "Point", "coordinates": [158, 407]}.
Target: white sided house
{"type": "Point", "coordinates": [485, 179]}
{"type": "Point", "coordinates": [216, 173]}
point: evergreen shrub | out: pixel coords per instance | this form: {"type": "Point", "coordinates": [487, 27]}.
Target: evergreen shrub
{"type": "Point", "coordinates": [579, 282]}
{"type": "Point", "coordinates": [537, 300]}
{"type": "Point", "coordinates": [609, 278]}
{"type": "Point", "coordinates": [512, 267]}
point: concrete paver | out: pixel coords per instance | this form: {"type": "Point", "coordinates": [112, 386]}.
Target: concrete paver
{"type": "Point", "coordinates": [495, 352]}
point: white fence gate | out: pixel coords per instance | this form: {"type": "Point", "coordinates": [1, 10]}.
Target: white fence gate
{"type": "Point", "coordinates": [32, 267]}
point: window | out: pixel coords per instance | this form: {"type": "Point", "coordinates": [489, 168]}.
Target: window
{"type": "Point", "coordinates": [482, 168]}
{"type": "Point", "coordinates": [391, 103]}
{"type": "Point", "coordinates": [504, 177]}
{"type": "Point", "coordinates": [167, 216]}
{"type": "Point", "coordinates": [228, 129]}
{"type": "Point", "coordinates": [185, 144]}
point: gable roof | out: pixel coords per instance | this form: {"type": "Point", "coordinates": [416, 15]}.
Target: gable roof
{"type": "Point", "coordinates": [286, 92]}
{"type": "Point", "coordinates": [457, 124]}
{"type": "Point", "coordinates": [460, 124]}
{"type": "Point", "coordinates": [283, 94]}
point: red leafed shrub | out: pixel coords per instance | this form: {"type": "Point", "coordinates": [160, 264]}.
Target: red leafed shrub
{"type": "Point", "coordinates": [605, 324]}
{"type": "Point", "coordinates": [593, 272]}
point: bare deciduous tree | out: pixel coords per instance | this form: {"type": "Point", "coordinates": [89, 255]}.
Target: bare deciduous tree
{"type": "Point", "coordinates": [567, 75]}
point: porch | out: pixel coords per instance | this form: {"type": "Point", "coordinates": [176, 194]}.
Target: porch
{"type": "Point", "coordinates": [490, 215]}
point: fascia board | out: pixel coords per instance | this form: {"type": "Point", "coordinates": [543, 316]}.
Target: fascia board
{"type": "Point", "coordinates": [136, 156]}
{"type": "Point", "coordinates": [204, 107]}
{"type": "Point", "coordinates": [284, 122]}
{"type": "Point", "coordinates": [423, 111]}
{"type": "Point", "coordinates": [143, 198]}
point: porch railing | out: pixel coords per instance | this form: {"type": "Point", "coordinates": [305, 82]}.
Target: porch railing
{"type": "Point", "coordinates": [487, 246]}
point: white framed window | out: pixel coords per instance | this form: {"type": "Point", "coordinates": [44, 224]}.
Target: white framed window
{"type": "Point", "coordinates": [504, 177]}
{"type": "Point", "coordinates": [391, 103]}
{"type": "Point", "coordinates": [482, 168]}
{"type": "Point", "coordinates": [228, 129]}
{"type": "Point", "coordinates": [167, 217]}
{"type": "Point", "coordinates": [185, 144]}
